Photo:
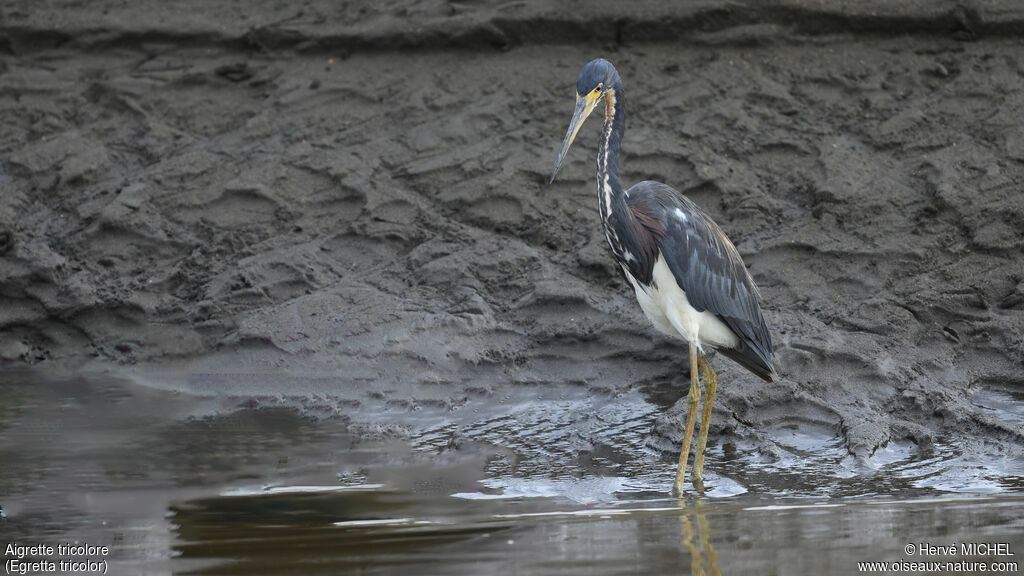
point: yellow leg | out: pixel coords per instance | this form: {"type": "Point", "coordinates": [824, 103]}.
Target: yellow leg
{"type": "Point", "coordinates": [710, 386]}
{"type": "Point", "coordinates": [692, 402]}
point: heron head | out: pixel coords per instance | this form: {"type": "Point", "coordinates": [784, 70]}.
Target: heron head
{"type": "Point", "coordinates": [596, 78]}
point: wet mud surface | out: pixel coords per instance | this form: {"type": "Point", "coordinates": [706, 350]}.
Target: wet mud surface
{"type": "Point", "coordinates": [336, 213]}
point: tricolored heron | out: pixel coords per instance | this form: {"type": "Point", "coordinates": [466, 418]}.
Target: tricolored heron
{"type": "Point", "coordinates": [689, 279]}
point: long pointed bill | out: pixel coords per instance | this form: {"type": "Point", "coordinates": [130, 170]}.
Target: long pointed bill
{"type": "Point", "coordinates": [584, 106]}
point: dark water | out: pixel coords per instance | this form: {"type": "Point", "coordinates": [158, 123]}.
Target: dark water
{"type": "Point", "coordinates": [186, 484]}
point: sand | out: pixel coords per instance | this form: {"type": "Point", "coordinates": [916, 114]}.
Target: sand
{"type": "Point", "coordinates": [352, 202]}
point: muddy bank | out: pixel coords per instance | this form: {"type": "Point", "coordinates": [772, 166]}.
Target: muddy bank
{"type": "Point", "coordinates": [340, 206]}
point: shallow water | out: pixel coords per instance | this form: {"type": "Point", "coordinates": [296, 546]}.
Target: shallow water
{"type": "Point", "coordinates": [559, 482]}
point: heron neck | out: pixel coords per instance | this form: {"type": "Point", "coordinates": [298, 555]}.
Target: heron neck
{"type": "Point", "coordinates": [608, 183]}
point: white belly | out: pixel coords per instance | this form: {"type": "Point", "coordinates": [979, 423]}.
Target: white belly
{"type": "Point", "coordinates": [666, 306]}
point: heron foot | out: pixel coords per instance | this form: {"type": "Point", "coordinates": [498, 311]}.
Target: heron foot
{"type": "Point", "coordinates": [710, 386]}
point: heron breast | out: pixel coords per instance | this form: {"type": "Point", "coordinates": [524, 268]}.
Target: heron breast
{"type": "Point", "coordinates": [665, 304]}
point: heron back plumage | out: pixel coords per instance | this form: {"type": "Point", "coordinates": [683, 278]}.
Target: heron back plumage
{"type": "Point", "coordinates": [707, 267]}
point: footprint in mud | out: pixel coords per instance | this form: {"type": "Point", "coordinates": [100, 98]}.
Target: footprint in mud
{"type": "Point", "coordinates": [813, 448]}
{"type": "Point", "coordinates": [806, 437]}
{"type": "Point", "coordinates": [241, 205]}
{"type": "Point", "coordinates": [1006, 405]}
{"type": "Point", "coordinates": [891, 453]}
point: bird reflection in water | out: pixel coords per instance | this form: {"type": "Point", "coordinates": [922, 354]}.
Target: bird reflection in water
{"type": "Point", "coordinates": [703, 558]}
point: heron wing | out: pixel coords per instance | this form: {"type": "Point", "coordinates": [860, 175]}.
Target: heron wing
{"type": "Point", "coordinates": [708, 268]}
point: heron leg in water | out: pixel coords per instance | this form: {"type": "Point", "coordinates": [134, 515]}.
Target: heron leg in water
{"type": "Point", "coordinates": [710, 385]}
{"type": "Point", "coordinates": [692, 405]}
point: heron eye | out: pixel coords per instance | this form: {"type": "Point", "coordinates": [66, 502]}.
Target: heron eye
{"type": "Point", "coordinates": [598, 89]}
